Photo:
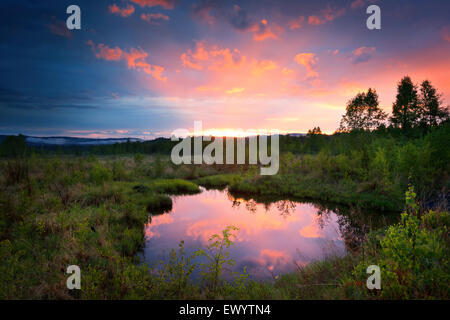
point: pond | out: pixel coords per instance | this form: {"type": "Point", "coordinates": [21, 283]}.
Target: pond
{"type": "Point", "coordinates": [274, 237]}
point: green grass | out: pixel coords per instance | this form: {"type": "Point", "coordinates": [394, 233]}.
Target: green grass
{"type": "Point", "coordinates": [345, 192]}
{"type": "Point", "coordinates": [219, 181]}
{"type": "Point", "coordinates": [174, 186]}
{"type": "Point", "coordinates": [159, 203]}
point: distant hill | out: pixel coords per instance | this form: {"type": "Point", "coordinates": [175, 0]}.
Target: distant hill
{"type": "Point", "coordinates": [71, 141]}
{"type": "Point", "coordinates": [297, 134]}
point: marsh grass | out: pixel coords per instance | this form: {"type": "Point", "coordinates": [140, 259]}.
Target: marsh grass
{"type": "Point", "coordinates": [91, 212]}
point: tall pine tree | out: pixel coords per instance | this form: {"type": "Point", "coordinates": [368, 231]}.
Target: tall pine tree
{"type": "Point", "coordinates": [405, 110]}
{"type": "Point", "coordinates": [432, 111]}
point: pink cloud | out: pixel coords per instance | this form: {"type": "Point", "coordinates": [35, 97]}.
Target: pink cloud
{"type": "Point", "coordinates": [262, 66]}
{"type": "Point", "coordinates": [123, 12]}
{"type": "Point", "coordinates": [167, 4]}
{"type": "Point", "coordinates": [287, 72]}
{"type": "Point", "coordinates": [262, 31]}
{"type": "Point", "coordinates": [192, 59]}
{"type": "Point", "coordinates": [104, 52]}
{"type": "Point", "coordinates": [225, 59]}
{"type": "Point", "coordinates": [154, 18]}
{"type": "Point", "coordinates": [213, 58]}
{"type": "Point", "coordinates": [362, 54]}
{"type": "Point", "coordinates": [135, 58]}
{"type": "Point", "coordinates": [296, 23]}
{"type": "Point", "coordinates": [326, 15]}
{"type": "Point", "coordinates": [309, 61]}
{"type": "Point", "coordinates": [357, 4]}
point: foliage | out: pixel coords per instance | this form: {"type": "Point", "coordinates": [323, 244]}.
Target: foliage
{"type": "Point", "coordinates": [363, 112]}
{"type": "Point", "coordinates": [432, 111]}
{"type": "Point", "coordinates": [413, 255]}
{"type": "Point", "coordinates": [405, 110]}
{"type": "Point", "coordinates": [217, 257]}
{"type": "Point", "coordinates": [219, 181]}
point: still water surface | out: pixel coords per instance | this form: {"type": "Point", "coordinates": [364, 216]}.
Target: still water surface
{"type": "Point", "coordinates": [273, 238]}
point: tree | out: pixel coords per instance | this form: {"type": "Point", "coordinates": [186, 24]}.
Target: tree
{"type": "Point", "coordinates": [363, 112]}
{"type": "Point", "coordinates": [14, 147]}
{"type": "Point", "coordinates": [432, 111]}
{"type": "Point", "coordinates": [314, 131]}
{"type": "Point", "coordinates": [405, 110]}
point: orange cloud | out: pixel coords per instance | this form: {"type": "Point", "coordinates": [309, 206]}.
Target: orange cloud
{"type": "Point", "coordinates": [213, 58]}
{"type": "Point", "coordinates": [262, 31]}
{"type": "Point", "coordinates": [362, 54]}
{"type": "Point", "coordinates": [235, 90]}
{"type": "Point", "coordinates": [309, 61]}
{"type": "Point", "coordinates": [135, 58]}
{"type": "Point", "coordinates": [104, 52]}
{"type": "Point", "coordinates": [123, 12]}
{"type": "Point", "coordinates": [296, 23]}
{"type": "Point", "coordinates": [168, 4]}
{"type": "Point", "coordinates": [326, 15]}
{"type": "Point", "coordinates": [188, 63]}
{"type": "Point", "coordinates": [226, 59]}
{"type": "Point", "coordinates": [191, 59]}
{"type": "Point", "coordinates": [287, 72]}
{"type": "Point", "coordinates": [223, 69]}
{"type": "Point", "coordinates": [154, 18]}
{"type": "Point", "coordinates": [262, 66]}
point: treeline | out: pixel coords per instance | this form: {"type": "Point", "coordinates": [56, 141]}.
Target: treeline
{"type": "Point", "coordinates": [415, 107]}
{"type": "Point", "coordinates": [157, 146]}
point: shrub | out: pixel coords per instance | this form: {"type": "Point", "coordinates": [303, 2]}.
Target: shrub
{"type": "Point", "coordinates": [99, 174]}
{"type": "Point", "coordinates": [159, 203]}
{"type": "Point", "coordinates": [413, 256]}
{"type": "Point", "coordinates": [119, 172]}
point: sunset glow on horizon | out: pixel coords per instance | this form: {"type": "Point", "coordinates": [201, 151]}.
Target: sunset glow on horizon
{"type": "Point", "coordinates": [145, 68]}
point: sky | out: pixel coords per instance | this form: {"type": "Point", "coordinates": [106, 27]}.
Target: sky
{"type": "Point", "coordinates": [144, 68]}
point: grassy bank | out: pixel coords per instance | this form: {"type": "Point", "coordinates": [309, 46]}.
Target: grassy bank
{"type": "Point", "coordinates": [346, 192]}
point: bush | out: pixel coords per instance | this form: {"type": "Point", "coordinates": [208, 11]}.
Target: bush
{"type": "Point", "coordinates": [99, 174]}
{"type": "Point", "coordinates": [413, 256]}
{"type": "Point", "coordinates": [119, 172]}
{"type": "Point", "coordinates": [159, 203]}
